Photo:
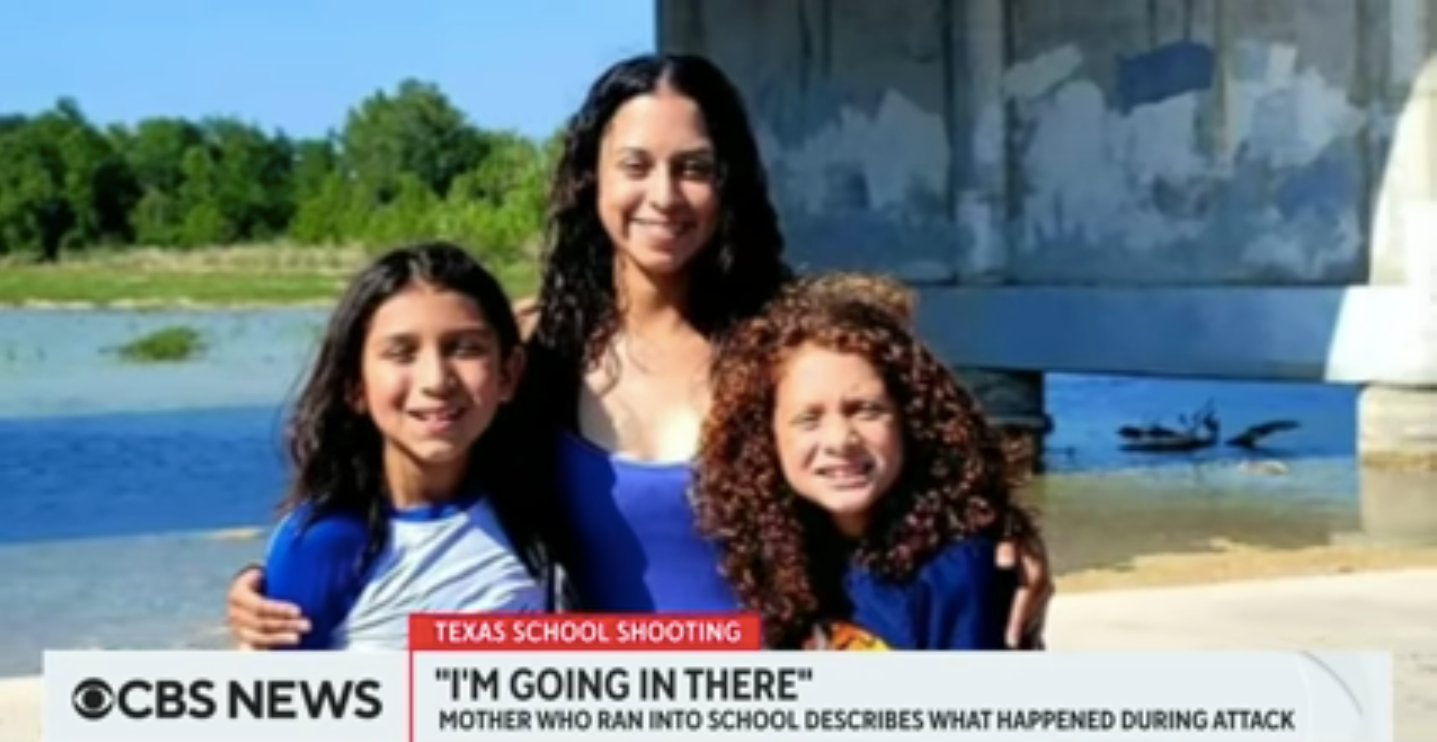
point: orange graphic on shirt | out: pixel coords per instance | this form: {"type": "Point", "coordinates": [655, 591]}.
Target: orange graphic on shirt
{"type": "Point", "coordinates": [844, 636]}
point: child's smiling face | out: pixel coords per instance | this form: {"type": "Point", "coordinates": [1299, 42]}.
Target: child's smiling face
{"type": "Point", "coordinates": [433, 375]}
{"type": "Point", "coordinates": [838, 433]}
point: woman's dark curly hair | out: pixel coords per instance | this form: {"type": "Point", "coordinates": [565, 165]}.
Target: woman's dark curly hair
{"type": "Point", "coordinates": [730, 279]}
{"type": "Point", "coordinates": [337, 452]}
{"type": "Point", "coordinates": [781, 553]}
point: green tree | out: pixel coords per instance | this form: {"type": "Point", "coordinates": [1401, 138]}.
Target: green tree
{"type": "Point", "coordinates": [405, 164]}
{"type": "Point", "coordinates": [155, 151]}
{"type": "Point", "coordinates": [35, 214]}
{"type": "Point", "coordinates": [415, 131]}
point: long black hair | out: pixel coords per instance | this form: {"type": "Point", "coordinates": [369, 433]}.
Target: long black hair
{"type": "Point", "coordinates": [337, 452]}
{"type": "Point", "coordinates": [730, 279]}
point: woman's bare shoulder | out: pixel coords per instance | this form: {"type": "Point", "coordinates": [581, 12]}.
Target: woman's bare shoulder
{"type": "Point", "coordinates": [526, 310]}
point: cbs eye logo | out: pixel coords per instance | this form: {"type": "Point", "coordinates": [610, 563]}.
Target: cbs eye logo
{"type": "Point", "coordinates": [93, 699]}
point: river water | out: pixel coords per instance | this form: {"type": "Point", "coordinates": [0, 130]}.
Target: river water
{"type": "Point", "coordinates": [131, 493]}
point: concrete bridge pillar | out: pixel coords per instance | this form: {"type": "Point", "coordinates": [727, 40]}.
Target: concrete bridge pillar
{"type": "Point", "coordinates": [1016, 402]}
{"type": "Point", "coordinates": [1397, 453]}
{"type": "Point", "coordinates": [1397, 413]}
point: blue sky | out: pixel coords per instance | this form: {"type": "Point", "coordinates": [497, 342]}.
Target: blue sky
{"type": "Point", "coordinates": [299, 65]}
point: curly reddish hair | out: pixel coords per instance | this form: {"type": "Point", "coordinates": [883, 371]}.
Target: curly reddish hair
{"type": "Point", "coordinates": [782, 554]}
{"type": "Point", "coordinates": [883, 291]}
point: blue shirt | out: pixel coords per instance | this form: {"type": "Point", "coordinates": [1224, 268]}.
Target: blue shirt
{"type": "Point", "coordinates": [445, 558]}
{"type": "Point", "coordinates": [959, 599]}
{"type": "Point", "coordinates": [639, 549]}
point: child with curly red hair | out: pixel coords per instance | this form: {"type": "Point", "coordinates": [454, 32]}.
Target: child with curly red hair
{"type": "Point", "coordinates": [856, 493]}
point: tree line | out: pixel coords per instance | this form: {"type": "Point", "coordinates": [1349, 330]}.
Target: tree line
{"type": "Point", "coordinates": [406, 164]}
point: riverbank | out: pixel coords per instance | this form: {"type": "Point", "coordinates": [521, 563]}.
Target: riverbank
{"type": "Point", "coordinates": [218, 277]}
{"type": "Point", "coordinates": [1230, 562]}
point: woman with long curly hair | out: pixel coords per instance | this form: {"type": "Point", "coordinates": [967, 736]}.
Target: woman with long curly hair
{"type": "Point", "coordinates": [857, 494]}
{"type": "Point", "coordinates": [661, 239]}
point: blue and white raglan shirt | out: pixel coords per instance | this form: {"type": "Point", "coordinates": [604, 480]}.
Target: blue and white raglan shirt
{"type": "Point", "coordinates": [443, 558]}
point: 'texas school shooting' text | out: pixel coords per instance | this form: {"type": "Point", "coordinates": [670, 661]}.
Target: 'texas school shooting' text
{"type": "Point", "coordinates": [586, 632]}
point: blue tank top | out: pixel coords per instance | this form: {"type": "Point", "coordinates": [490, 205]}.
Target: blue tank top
{"type": "Point", "coordinates": [638, 548]}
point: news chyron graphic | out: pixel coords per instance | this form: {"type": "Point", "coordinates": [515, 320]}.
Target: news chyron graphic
{"type": "Point", "coordinates": [573, 678]}
{"type": "Point", "coordinates": [620, 678]}
{"type": "Point", "coordinates": [94, 699]}
{"type": "Point", "coordinates": [222, 696]}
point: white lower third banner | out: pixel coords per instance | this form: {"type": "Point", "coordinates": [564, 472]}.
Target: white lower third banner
{"type": "Point", "coordinates": [575, 696]}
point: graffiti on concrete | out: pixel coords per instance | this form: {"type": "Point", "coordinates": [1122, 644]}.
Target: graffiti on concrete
{"type": "Point", "coordinates": [1269, 166]}
{"type": "Point", "coordinates": [1180, 163]}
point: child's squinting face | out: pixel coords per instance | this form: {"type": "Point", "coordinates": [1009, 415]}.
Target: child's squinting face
{"type": "Point", "coordinates": [839, 436]}
{"type": "Point", "coordinates": [433, 374]}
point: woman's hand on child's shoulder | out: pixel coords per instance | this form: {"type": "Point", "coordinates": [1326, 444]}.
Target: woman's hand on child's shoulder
{"type": "Point", "coordinates": [257, 623]}
{"type": "Point", "coordinates": [1028, 617]}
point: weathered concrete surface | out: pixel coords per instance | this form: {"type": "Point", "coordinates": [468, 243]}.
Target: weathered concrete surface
{"type": "Point", "coordinates": [1347, 335]}
{"type": "Point", "coordinates": [1389, 611]}
{"type": "Point", "coordinates": [1077, 141]}
{"type": "Point", "coordinates": [1015, 401]}
{"type": "Point", "coordinates": [1397, 459]}
{"type": "Point", "coordinates": [1099, 146]}
{"type": "Point", "coordinates": [1197, 188]}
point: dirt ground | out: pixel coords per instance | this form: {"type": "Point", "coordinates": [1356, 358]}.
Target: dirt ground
{"type": "Point", "coordinates": [1228, 562]}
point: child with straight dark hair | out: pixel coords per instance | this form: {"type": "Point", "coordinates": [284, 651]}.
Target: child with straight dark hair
{"type": "Point", "coordinates": [408, 492]}
{"type": "Point", "coordinates": [858, 496]}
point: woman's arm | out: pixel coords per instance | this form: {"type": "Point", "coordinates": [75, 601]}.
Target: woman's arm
{"type": "Point", "coordinates": [1028, 617]}
{"type": "Point", "coordinates": [306, 588]}
{"type": "Point", "coordinates": [313, 565]}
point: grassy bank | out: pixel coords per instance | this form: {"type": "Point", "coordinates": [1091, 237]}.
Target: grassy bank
{"type": "Point", "coordinates": [222, 276]}
{"type": "Point", "coordinates": [170, 344]}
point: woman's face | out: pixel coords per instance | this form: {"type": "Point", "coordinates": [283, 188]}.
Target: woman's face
{"type": "Point", "coordinates": [658, 199]}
